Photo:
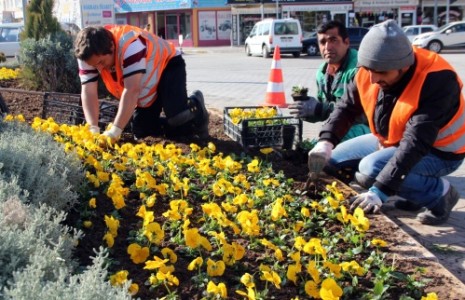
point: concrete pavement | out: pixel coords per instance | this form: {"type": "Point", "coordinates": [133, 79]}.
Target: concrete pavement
{"type": "Point", "coordinates": [228, 78]}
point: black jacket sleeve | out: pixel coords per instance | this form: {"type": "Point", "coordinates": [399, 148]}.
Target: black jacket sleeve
{"type": "Point", "coordinates": [439, 101]}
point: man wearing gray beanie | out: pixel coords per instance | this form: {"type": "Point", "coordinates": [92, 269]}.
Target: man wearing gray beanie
{"type": "Point", "coordinates": [413, 102]}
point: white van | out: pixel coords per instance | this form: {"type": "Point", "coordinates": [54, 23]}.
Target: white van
{"type": "Point", "coordinates": [9, 38]}
{"type": "Point", "coordinates": [269, 33]}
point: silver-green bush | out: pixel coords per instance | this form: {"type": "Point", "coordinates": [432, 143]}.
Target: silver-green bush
{"type": "Point", "coordinates": [40, 233]}
{"type": "Point", "coordinates": [40, 166]}
{"type": "Point", "coordinates": [92, 284]}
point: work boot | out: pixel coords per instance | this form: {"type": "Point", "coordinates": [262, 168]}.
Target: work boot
{"type": "Point", "coordinates": [201, 114]}
{"type": "Point", "coordinates": [440, 213]}
{"type": "Point", "coordinates": [407, 205]}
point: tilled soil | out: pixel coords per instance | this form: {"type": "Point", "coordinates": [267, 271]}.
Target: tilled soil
{"type": "Point", "coordinates": [405, 253]}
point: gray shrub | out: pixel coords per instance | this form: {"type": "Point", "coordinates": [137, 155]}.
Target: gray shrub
{"type": "Point", "coordinates": [39, 166]}
{"type": "Point", "coordinates": [92, 284]}
{"type": "Point", "coordinates": [40, 235]}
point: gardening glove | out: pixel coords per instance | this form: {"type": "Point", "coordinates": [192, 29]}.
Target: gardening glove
{"type": "Point", "coordinates": [110, 136]}
{"type": "Point", "coordinates": [303, 109]}
{"type": "Point", "coordinates": [318, 157]}
{"type": "Point", "coordinates": [94, 129]}
{"type": "Point", "coordinates": [370, 201]}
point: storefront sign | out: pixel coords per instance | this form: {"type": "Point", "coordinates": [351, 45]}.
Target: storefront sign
{"type": "Point", "coordinates": [319, 7]}
{"type": "Point", "coordinates": [431, 3]}
{"type": "Point", "coordinates": [123, 6]}
{"type": "Point", "coordinates": [97, 12]}
{"type": "Point", "coordinates": [384, 3]}
{"type": "Point", "coordinates": [281, 1]}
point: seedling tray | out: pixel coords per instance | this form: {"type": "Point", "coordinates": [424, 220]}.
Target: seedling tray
{"type": "Point", "coordinates": [277, 132]}
{"type": "Point", "coordinates": [67, 109]}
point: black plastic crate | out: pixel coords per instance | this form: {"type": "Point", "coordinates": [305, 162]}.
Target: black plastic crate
{"type": "Point", "coordinates": [279, 131]}
{"type": "Point", "coordinates": [67, 109]}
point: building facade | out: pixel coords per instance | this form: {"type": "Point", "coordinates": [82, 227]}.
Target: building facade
{"type": "Point", "coordinates": [192, 23]}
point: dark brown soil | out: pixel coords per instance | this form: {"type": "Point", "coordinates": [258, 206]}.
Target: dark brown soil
{"type": "Point", "coordinates": [292, 163]}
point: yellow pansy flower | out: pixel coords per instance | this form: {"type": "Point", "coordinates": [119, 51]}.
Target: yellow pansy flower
{"type": "Point", "coordinates": [168, 253]}
{"type": "Point", "coordinates": [215, 268]}
{"type": "Point", "coordinates": [93, 203]}
{"type": "Point", "coordinates": [137, 253]}
{"type": "Point", "coordinates": [217, 290]}
{"type": "Point", "coordinates": [379, 243]}
{"type": "Point", "coordinates": [196, 263]}
{"type": "Point", "coordinates": [330, 290]}
{"type": "Point", "coordinates": [119, 278]}
{"type": "Point", "coordinates": [430, 296]}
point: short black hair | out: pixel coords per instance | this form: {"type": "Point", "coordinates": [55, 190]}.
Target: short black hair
{"type": "Point", "coordinates": [341, 28]}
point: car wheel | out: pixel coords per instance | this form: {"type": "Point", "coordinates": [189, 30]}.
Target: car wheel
{"type": "Point", "coordinates": [435, 46]}
{"type": "Point", "coordinates": [296, 54]}
{"type": "Point", "coordinates": [265, 52]}
{"type": "Point", "coordinates": [312, 50]}
{"type": "Point", "coordinates": [247, 50]}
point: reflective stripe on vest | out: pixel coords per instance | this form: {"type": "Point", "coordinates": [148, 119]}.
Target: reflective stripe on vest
{"type": "Point", "coordinates": [158, 54]}
{"type": "Point", "coordinates": [451, 138]}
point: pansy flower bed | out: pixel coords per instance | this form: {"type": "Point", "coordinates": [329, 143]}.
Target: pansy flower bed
{"type": "Point", "coordinates": [195, 223]}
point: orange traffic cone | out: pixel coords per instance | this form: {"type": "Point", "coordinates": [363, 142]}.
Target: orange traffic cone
{"type": "Point", "coordinates": [275, 90]}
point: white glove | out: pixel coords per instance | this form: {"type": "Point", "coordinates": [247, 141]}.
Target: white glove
{"type": "Point", "coordinates": [303, 109]}
{"type": "Point", "coordinates": [369, 201]}
{"type": "Point", "coordinates": [114, 133]}
{"type": "Point", "coordinates": [319, 156]}
{"type": "Point", "coordinates": [94, 129]}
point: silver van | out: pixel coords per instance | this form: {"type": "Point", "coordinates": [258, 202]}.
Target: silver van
{"type": "Point", "coordinates": [9, 38]}
{"type": "Point", "coordinates": [269, 33]}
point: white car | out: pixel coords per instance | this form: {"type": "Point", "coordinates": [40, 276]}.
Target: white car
{"type": "Point", "coordinates": [269, 33]}
{"type": "Point", "coordinates": [9, 38]}
{"type": "Point", "coordinates": [413, 30]}
{"type": "Point", "coordinates": [451, 35]}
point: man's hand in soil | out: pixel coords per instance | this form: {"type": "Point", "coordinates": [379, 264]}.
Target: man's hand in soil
{"type": "Point", "coordinates": [370, 201]}
{"type": "Point", "coordinates": [94, 129]}
{"type": "Point", "coordinates": [318, 157]}
{"type": "Point", "coordinates": [109, 137]}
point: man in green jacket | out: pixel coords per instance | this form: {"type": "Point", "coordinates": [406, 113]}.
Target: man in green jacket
{"type": "Point", "coordinates": [332, 77]}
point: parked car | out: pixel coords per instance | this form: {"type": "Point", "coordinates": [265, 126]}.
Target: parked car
{"type": "Point", "coordinates": [451, 35]}
{"type": "Point", "coordinates": [356, 34]}
{"type": "Point", "coordinates": [9, 38]}
{"type": "Point", "coordinates": [413, 30]}
{"type": "Point", "coordinates": [269, 33]}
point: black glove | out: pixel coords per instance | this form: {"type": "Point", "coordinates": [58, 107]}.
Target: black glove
{"type": "Point", "coordinates": [303, 109]}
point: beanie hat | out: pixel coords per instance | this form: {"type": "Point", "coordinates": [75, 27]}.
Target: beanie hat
{"type": "Point", "coordinates": [385, 47]}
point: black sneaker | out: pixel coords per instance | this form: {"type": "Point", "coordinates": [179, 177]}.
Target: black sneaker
{"type": "Point", "coordinates": [440, 213]}
{"type": "Point", "coordinates": [201, 118]}
{"type": "Point", "coordinates": [407, 205]}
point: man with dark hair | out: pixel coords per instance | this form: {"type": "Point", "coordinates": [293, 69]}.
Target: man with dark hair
{"type": "Point", "coordinates": [415, 109]}
{"type": "Point", "coordinates": [332, 77]}
{"type": "Point", "coordinates": [147, 74]}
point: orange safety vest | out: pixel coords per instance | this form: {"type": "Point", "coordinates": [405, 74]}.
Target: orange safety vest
{"type": "Point", "coordinates": [451, 138]}
{"type": "Point", "coordinates": [159, 52]}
